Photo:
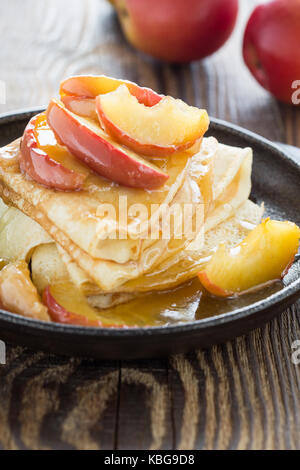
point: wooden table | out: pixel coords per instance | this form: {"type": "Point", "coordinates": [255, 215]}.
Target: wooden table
{"type": "Point", "coordinates": [243, 394]}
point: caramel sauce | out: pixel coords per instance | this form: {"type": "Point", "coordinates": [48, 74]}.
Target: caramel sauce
{"type": "Point", "coordinates": [3, 263]}
{"type": "Point", "coordinates": [185, 304]}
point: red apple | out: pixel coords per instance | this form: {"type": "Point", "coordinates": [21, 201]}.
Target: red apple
{"type": "Point", "coordinates": [165, 128]}
{"type": "Point", "coordinates": [78, 93]}
{"type": "Point", "coordinates": [90, 144]}
{"type": "Point", "coordinates": [271, 47]}
{"type": "Point", "coordinates": [43, 169]}
{"type": "Point", "coordinates": [177, 30]}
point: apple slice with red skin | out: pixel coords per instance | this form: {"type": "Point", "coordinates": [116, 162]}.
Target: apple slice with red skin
{"type": "Point", "coordinates": [167, 127]}
{"type": "Point", "coordinates": [78, 93]}
{"type": "Point", "coordinates": [43, 169]}
{"type": "Point", "coordinates": [59, 314]}
{"type": "Point", "coordinates": [266, 254]}
{"type": "Point", "coordinates": [90, 86]}
{"type": "Point", "coordinates": [90, 144]}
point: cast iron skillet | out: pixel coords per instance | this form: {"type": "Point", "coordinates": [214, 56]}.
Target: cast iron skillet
{"type": "Point", "coordinates": [276, 181]}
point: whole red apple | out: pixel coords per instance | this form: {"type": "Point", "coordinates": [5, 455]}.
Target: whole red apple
{"type": "Point", "coordinates": [177, 30]}
{"type": "Point", "coordinates": [271, 48]}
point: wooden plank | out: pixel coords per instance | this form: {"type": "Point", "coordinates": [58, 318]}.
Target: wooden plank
{"type": "Point", "coordinates": [145, 408]}
{"type": "Point", "coordinates": [240, 395]}
{"type": "Point", "coordinates": [55, 402]}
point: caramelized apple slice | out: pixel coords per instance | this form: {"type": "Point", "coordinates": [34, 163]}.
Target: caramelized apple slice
{"type": "Point", "coordinates": [89, 143]}
{"type": "Point", "coordinates": [90, 86]}
{"type": "Point", "coordinates": [264, 255]}
{"type": "Point", "coordinates": [67, 305]}
{"type": "Point", "coordinates": [164, 128]}
{"type": "Point", "coordinates": [45, 161]}
{"type": "Point", "coordinates": [18, 294]}
{"type": "Point", "coordinates": [78, 93]}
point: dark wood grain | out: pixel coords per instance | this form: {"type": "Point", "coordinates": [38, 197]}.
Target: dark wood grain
{"type": "Point", "coordinates": [244, 394]}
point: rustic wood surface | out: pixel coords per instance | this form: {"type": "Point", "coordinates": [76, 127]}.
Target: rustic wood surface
{"type": "Point", "coordinates": [243, 394]}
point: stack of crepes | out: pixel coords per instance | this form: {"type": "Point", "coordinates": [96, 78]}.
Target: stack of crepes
{"type": "Point", "coordinates": [63, 237]}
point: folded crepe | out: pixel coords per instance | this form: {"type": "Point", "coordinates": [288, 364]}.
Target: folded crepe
{"type": "Point", "coordinates": [75, 220]}
{"type": "Point", "coordinates": [67, 236]}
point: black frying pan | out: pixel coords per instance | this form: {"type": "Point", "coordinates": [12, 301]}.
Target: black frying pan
{"type": "Point", "coordinates": [276, 181]}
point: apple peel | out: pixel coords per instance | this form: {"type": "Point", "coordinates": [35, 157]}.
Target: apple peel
{"type": "Point", "coordinates": [78, 93]}
{"type": "Point", "coordinates": [81, 313]}
{"type": "Point", "coordinates": [90, 86]}
{"type": "Point", "coordinates": [43, 169]}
